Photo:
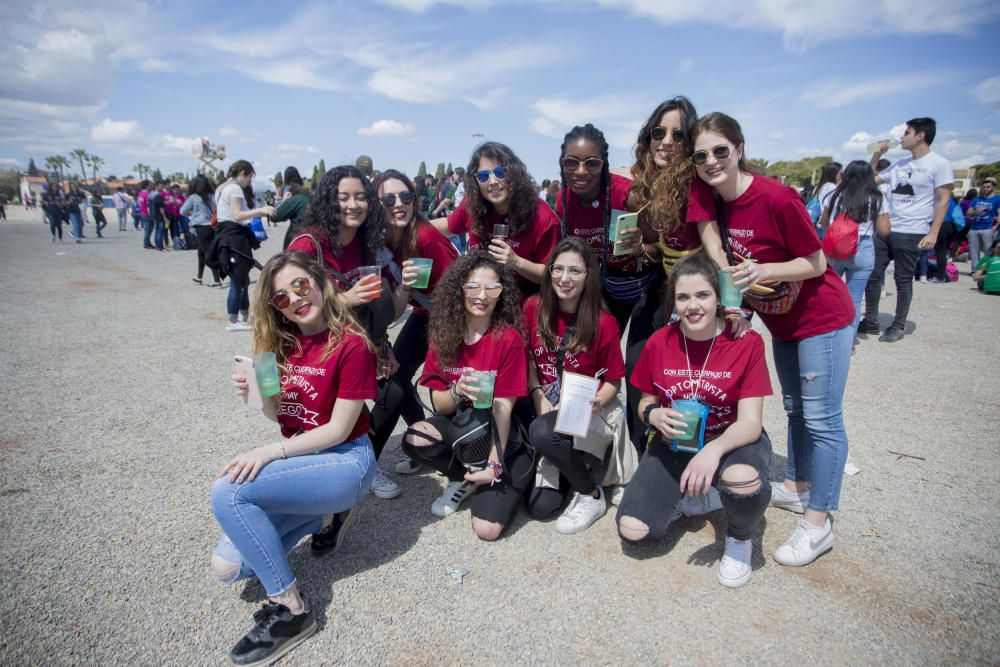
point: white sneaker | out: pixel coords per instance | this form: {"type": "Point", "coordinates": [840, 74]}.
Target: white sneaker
{"type": "Point", "coordinates": [238, 325]}
{"type": "Point", "coordinates": [617, 494]}
{"type": "Point", "coordinates": [407, 466]}
{"type": "Point", "coordinates": [703, 504]}
{"type": "Point", "coordinates": [452, 497]}
{"type": "Point", "coordinates": [734, 568]}
{"type": "Point", "coordinates": [383, 487]}
{"type": "Point", "coordinates": [582, 512]}
{"type": "Point", "coordinates": [850, 468]}
{"type": "Point", "coordinates": [806, 544]}
{"type": "Point", "coordinates": [784, 499]}
{"type": "Point", "coordinates": [923, 279]}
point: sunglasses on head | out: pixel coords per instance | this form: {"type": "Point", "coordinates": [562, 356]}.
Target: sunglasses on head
{"type": "Point", "coordinates": [405, 198]}
{"type": "Point", "coordinates": [483, 176]}
{"type": "Point", "coordinates": [281, 300]}
{"type": "Point", "coordinates": [659, 133]}
{"type": "Point", "coordinates": [591, 164]}
{"type": "Point", "coordinates": [719, 153]}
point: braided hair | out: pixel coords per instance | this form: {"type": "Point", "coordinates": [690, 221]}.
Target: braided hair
{"type": "Point", "coordinates": [590, 132]}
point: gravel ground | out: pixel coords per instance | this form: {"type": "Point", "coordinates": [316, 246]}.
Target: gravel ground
{"type": "Point", "coordinates": [118, 367]}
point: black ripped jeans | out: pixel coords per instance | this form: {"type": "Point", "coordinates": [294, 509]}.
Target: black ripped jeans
{"type": "Point", "coordinates": [655, 488]}
{"type": "Point", "coordinates": [580, 469]}
{"type": "Point", "coordinates": [397, 396]}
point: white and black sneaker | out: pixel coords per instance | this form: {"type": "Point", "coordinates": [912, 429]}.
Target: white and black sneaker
{"type": "Point", "coordinates": [332, 535]}
{"type": "Point", "coordinates": [276, 631]}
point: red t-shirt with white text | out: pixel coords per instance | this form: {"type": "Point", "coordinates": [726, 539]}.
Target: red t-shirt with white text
{"type": "Point", "coordinates": [347, 264]}
{"type": "Point", "coordinates": [533, 243]}
{"type": "Point", "coordinates": [310, 387]}
{"type": "Point", "coordinates": [500, 350]}
{"type": "Point", "coordinates": [432, 244]}
{"type": "Point", "coordinates": [736, 369]}
{"type": "Point", "coordinates": [587, 221]}
{"type": "Point", "coordinates": [605, 352]}
{"type": "Point", "coordinates": [769, 223]}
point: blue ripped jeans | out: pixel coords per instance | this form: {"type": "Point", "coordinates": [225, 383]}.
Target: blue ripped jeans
{"type": "Point", "coordinates": [813, 375]}
{"type": "Point", "coordinates": [262, 520]}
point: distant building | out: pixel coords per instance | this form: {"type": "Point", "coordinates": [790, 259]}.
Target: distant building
{"type": "Point", "coordinates": [964, 180]}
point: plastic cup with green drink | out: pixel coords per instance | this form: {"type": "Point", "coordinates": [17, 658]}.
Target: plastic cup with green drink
{"type": "Point", "coordinates": [691, 414]}
{"type": "Point", "coordinates": [423, 266]}
{"type": "Point", "coordinates": [265, 367]}
{"type": "Point", "coordinates": [484, 381]}
{"type": "Point", "coordinates": [729, 294]}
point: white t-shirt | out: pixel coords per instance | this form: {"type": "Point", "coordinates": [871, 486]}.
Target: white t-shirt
{"type": "Point", "coordinates": [824, 193]}
{"type": "Point", "coordinates": [865, 227]}
{"type": "Point", "coordinates": [224, 202]}
{"type": "Point", "coordinates": [911, 198]}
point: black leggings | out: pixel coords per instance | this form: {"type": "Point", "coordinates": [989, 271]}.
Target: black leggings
{"type": "Point", "coordinates": [581, 470]}
{"type": "Point", "coordinates": [55, 224]}
{"type": "Point", "coordinates": [205, 235]}
{"type": "Point", "coordinates": [397, 395]}
{"type": "Point", "coordinates": [496, 503]}
{"type": "Point", "coordinates": [655, 488]}
{"type": "Point", "coordinates": [945, 236]}
{"type": "Point", "coordinates": [647, 316]}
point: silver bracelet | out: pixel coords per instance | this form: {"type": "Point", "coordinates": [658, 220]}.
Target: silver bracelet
{"type": "Point", "coordinates": [283, 454]}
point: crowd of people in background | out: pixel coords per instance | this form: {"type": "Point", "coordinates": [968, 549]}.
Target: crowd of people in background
{"type": "Point", "coordinates": [510, 289]}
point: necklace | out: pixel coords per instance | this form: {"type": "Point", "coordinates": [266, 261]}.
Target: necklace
{"type": "Point", "coordinates": [687, 358]}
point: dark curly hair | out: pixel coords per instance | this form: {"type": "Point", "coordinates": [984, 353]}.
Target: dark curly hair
{"type": "Point", "coordinates": [661, 194]}
{"type": "Point", "coordinates": [523, 200]}
{"type": "Point", "coordinates": [447, 322]}
{"type": "Point", "coordinates": [323, 215]}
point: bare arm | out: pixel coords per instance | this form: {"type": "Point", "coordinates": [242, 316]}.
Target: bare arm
{"type": "Point", "coordinates": [942, 195]}
{"type": "Point", "coordinates": [711, 240]}
{"type": "Point", "coordinates": [441, 224]}
{"type": "Point", "coordinates": [800, 268]}
{"type": "Point", "coordinates": [882, 224]}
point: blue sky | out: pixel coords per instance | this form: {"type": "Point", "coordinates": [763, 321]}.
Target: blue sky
{"type": "Point", "coordinates": [411, 80]}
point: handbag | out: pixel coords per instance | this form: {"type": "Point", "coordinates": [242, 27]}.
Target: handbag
{"type": "Point", "coordinates": [841, 240]}
{"type": "Point", "coordinates": [469, 432]}
{"type": "Point", "coordinates": [257, 227]}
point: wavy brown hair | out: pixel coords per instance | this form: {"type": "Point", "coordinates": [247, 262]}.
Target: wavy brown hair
{"type": "Point", "coordinates": [588, 311]}
{"type": "Point", "coordinates": [661, 194]}
{"type": "Point", "coordinates": [272, 332]}
{"type": "Point", "coordinates": [523, 200]}
{"type": "Point", "coordinates": [447, 323]}
{"type": "Point", "coordinates": [408, 243]}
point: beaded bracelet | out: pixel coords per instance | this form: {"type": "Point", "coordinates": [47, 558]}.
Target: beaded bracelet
{"type": "Point", "coordinates": [497, 469]}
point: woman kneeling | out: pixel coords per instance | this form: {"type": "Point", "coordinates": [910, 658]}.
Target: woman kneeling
{"type": "Point", "coordinates": [269, 498]}
{"type": "Point", "coordinates": [719, 381]}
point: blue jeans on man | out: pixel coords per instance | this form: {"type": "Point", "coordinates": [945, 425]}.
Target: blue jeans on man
{"type": "Point", "coordinates": [147, 231]}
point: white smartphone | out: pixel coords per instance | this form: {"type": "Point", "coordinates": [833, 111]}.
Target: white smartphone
{"type": "Point", "coordinates": [253, 399]}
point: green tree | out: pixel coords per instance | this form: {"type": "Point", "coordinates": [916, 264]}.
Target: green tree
{"type": "Point", "coordinates": [32, 169]}
{"type": "Point", "coordinates": [439, 172]}
{"type": "Point", "coordinates": [10, 183]}
{"type": "Point", "coordinates": [157, 175]}
{"type": "Point", "coordinates": [449, 169]}
{"type": "Point", "coordinates": [317, 175]}
{"type": "Point", "coordinates": [178, 177]}
{"type": "Point", "coordinates": [795, 173]}
{"type": "Point", "coordinates": [422, 170]}
{"type": "Point", "coordinates": [322, 168]}
{"type": "Point", "coordinates": [279, 181]}
{"type": "Point", "coordinates": [82, 156]}
{"type": "Point", "coordinates": [987, 170]}
{"type": "Point", "coordinates": [57, 163]}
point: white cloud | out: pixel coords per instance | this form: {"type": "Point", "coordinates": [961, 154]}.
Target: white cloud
{"type": "Point", "coordinates": [156, 65]}
{"type": "Point", "coordinates": [685, 65]}
{"type": "Point", "coordinates": [229, 133]}
{"type": "Point", "coordinates": [421, 6]}
{"type": "Point", "coordinates": [612, 114]}
{"type": "Point", "coordinates": [988, 92]}
{"type": "Point", "coordinates": [11, 162]}
{"type": "Point", "coordinates": [116, 132]}
{"type": "Point", "coordinates": [291, 73]}
{"type": "Point", "coordinates": [386, 129]}
{"type": "Point", "coordinates": [839, 92]}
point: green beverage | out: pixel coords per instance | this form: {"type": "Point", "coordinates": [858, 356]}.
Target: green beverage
{"type": "Point", "coordinates": [265, 366]}
{"type": "Point", "coordinates": [423, 266]}
{"type": "Point", "coordinates": [484, 381]}
{"type": "Point", "coordinates": [624, 223]}
{"type": "Point", "coordinates": [691, 415]}
{"type": "Point", "coordinates": [729, 293]}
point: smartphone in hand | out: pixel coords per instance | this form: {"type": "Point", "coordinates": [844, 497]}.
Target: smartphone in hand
{"type": "Point", "coordinates": [253, 398]}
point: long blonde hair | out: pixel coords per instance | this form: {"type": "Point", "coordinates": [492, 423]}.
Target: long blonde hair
{"type": "Point", "coordinates": [273, 332]}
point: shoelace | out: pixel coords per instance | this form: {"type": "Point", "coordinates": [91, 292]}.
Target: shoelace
{"type": "Point", "coordinates": [264, 617]}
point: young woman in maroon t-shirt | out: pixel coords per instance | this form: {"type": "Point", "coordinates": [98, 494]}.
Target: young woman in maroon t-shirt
{"type": "Point", "coordinates": [499, 190]}
{"type": "Point", "coordinates": [409, 236]}
{"type": "Point", "coordinates": [698, 358]}
{"type": "Point", "coordinates": [570, 331]}
{"type": "Point", "coordinates": [474, 326]}
{"type": "Point", "coordinates": [770, 235]}
{"type": "Point", "coordinates": [269, 498]}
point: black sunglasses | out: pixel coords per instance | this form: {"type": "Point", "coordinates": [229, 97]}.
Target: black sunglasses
{"type": "Point", "coordinates": [659, 132]}
{"type": "Point", "coordinates": [719, 153]}
{"type": "Point", "coordinates": [405, 197]}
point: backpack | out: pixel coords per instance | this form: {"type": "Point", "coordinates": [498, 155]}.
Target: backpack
{"type": "Point", "coordinates": [841, 240]}
{"type": "Point", "coordinates": [815, 210]}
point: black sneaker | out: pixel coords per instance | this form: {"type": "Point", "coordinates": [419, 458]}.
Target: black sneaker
{"type": "Point", "coordinates": [196, 281]}
{"type": "Point", "coordinates": [867, 327]}
{"type": "Point", "coordinates": [276, 631]}
{"type": "Point", "coordinates": [330, 538]}
{"type": "Point", "coordinates": [891, 335]}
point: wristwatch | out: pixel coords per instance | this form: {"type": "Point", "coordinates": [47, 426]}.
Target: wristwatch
{"type": "Point", "coordinates": [648, 411]}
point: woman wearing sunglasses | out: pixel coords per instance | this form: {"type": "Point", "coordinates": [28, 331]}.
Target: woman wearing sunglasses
{"type": "Point", "coordinates": [269, 498]}
{"type": "Point", "coordinates": [499, 191]}
{"type": "Point", "coordinates": [345, 226]}
{"type": "Point", "coordinates": [409, 236]}
{"type": "Point", "coordinates": [474, 327]}
{"type": "Point", "coordinates": [569, 331]}
{"type": "Point", "coordinates": [725, 379]}
{"type": "Point", "coordinates": [766, 223]}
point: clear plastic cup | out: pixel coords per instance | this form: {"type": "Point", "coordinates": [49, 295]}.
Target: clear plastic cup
{"type": "Point", "coordinates": [423, 266]}
{"type": "Point", "coordinates": [500, 231]}
{"type": "Point", "coordinates": [729, 294]}
{"type": "Point", "coordinates": [484, 381]}
{"type": "Point", "coordinates": [691, 414]}
{"type": "Point", "coordinates": [265, 366]}
{"type": "Point", "coordinates": [368, 273]}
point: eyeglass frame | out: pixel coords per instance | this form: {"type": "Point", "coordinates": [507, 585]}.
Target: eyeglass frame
{"type": "Point", "coordinates": [699, 158]}
{"type": "Point", "coordinates": [583, 163]}
{"type": "Point", "coordinates": [574, 272]}
{"type": "Point", "coordinates": [394, 196]}
{"type": "Point", "coordinates": [499, 171]}
{"type": "Point", "coordinates": [677, 134]}
{"type": "Point", "coordinates": [298, 288]}
{"type": "Point", "coordinates": [469, 290]}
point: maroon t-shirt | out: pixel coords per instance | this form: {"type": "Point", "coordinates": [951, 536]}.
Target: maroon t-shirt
{"type": "Point", "coordinates": [736, 369]}
{"type": "Point", "coordinates": [432, 244]}
{"type": "Point", "coordinates": [685, 235]}
{"type": "Point", "coordinates": [347, 264]}
{"type": "Point", "coordinates": [310, 387]}
{"type": "Point", "coordinates": [500, 350]}
{"type": "Point", "coordinates": [769, 223]}
{"type": "Point", "coordinates": [587, 221]}
{"type": "Point", "coordinates": [534, 243]}
{"type": "Point", "coordinates": [605, 352]}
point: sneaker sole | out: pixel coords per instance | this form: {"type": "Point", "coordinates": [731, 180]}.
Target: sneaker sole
{"type": "Point", "coordinates": [306, 633]}
{"type": "Point", "coordinates": [387, 495]}
{"type": "Point", "coordinates": [448, 510]}
{"type": "Point", "coordinates": [796, 507]}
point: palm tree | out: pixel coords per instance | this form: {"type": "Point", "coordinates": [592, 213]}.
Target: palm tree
{"type": "Point", "coordinates": [57, 163]}
{"type": "Point", "coordinates": [95, 163]}
{"type": "Point", "coordinates": [82, 156]}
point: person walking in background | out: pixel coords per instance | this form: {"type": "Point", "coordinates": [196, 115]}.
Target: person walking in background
{"type": "Point", "coordinates": [199, 207]}
{"type": "Point", "coordinates": [293, 205]}
{"type": "Point", "coordinates": [121, 201]}
{"type": "Point", "coordinates": [74, 199]}
{"type": "Point", "coordinates": [920, 189]}
{"type": "Point", "coordinates": [54, 208]}
{"type": "Point", "coordinates": [158, 214]}
{"type": "Point", "coordinates": [97, 208]}
{"type": "Point", "coordinates": [982, 219]}
{"type": "Point", "coordinates": [828, 180]}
